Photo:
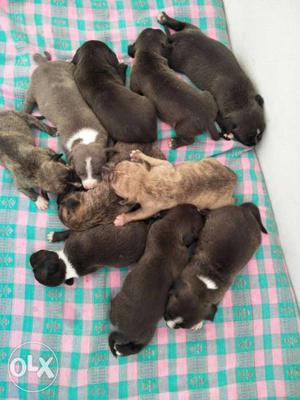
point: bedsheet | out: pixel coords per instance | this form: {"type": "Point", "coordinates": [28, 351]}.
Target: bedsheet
{"type": "Point", "coordinates": [251, 351]}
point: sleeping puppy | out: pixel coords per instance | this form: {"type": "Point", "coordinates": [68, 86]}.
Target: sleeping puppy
{"type": "Point", "coordinates": [82, 210]}
{"type": "Point", "coordinates": [213, 67]}
{"type": "Point", "coordinates": [84, 139]}
{"type": "Point", "coordinates": [85, 252]}
{"type": "Point", "coordinates": [100, 78]}
{"type": "Point", "coordinates": [230, 237]}
{"type": "Point", "coordinates": [188, 110]}
{"type": "Point", "coordinates": [136, 310]}
{"type": "Point", "coordinates": [29, 165]}
{"type": "Point", "coordinates": [158, 185]}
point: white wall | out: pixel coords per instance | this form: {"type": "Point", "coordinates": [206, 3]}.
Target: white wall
{"type": "Point", "coordinates": [265, 35]}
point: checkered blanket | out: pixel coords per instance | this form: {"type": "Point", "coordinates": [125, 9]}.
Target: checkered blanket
{"type": "Point", "coordinates": [250, 351]}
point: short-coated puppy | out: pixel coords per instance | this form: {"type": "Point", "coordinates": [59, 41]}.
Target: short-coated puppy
{"type": "Point", "coordinates": [188, 110]}
{"type": "Point", "coordinates": [140, 304]}
{"type": "Point", "coordinates": [82, 210]}
{"type": "Point", "coordinates": [212, 66]}
{"type": "Point", "coordinates": [127, 116]}
{"type": "Point", "coordinates": [158, 185]}
{"type": "Point", "coordinates": [85, 252]}
{"type": "Point", "coordinates": [31, 166]}
{"type": "Point", "coordinates": [84, 139]}
{"type": "Point", "coordinates": [228, 240]}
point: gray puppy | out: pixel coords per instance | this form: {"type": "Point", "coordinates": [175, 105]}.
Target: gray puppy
{"type": "Point", "coordinates": [100, 77]}
{"type": "Point", "coordinates": [84, 139]}
{"type": "Point", "coordinates": [188, 110]}
{"type": "Point", "coordinates": [136, 310]}
{"type": "Point", "coordinates": [29, 165]}
{"type": "Point", "coordinates": [213, 67]}
{"type": "Point", "coordinates": [85, 252]}
{"type": "Point", "coordinates": [230, 237]}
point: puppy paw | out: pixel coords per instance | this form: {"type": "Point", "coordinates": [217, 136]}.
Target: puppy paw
{"type": "Point", "coordinates": [135, 155]}
{"type": "Point", "coordinates": [197, 327]}
{"type": "Point", "coordinates": [41, 203]}
{"type": "Point", "coordinates": [120, 220]}
{"type": "Point", "coordinates": [228, 136]}
{"type": "Point", "coordinates": [116, 351]}
{"type": "Point", "coordinates": [50, 237]}
{"type": "Point", "coordinates": [161, 17]}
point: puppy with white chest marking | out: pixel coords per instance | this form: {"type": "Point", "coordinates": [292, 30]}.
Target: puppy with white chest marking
{"type": "Point", "coordinates": [188, 110]}
{"type": "Point", "coordinates": [158, 185]}
{"type": "Point", "coordinates": [127, 116]}
{"type": "Point", "coordinates": [228, 240]}
{"type": "Point", "coordinates": [136, 310]}
{"type": "Point", "coordinates": [84, 139]}
{"type": "Point", "coordinates": [212, 66]}
{"type": "Point", "coordinates": [31, 166]}
{"type": "Point", "coordinates": [85, 252]}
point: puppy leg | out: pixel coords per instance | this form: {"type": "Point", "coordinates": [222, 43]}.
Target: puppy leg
{"type": "Point", "coordinates": [185, 134]}
{"type": "Point", "coordinates": [137, 155]}
{"type": "Point", "coordinates": [58, 236]}
{"type": "Point", "coordinates": [29, 102]}
{"type": "Point", "coordinates": [37, 123]}
{"type": "Point", "coordinates": [40, 201]}
{"type": "Point", "coordinates": [141, 213]}
{"type": "Point", "coordinates": [172, 23]}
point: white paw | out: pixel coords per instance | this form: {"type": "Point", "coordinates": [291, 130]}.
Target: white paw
{"type": "Point", "coordinates": [135, 155]}
{"type": "Point", "coordinates": [118, 353]}
{"type": "Point", "coordinates": [120, 220]}
{"type": "Point", "coordinates": [161, 17]}
{"type": "Point", "coordinates": [50, 236]}
{"type": "Point", "coordinates": [198, 326]}
{"type": "Point", "coordinates": [228, 136]}
{"type": "Point", "coordinates": [41, 203]}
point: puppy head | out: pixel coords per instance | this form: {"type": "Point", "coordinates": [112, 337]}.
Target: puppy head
{"type": "Point", "coordinates": [57, 177]}
{"type": "Point", "coordinates": [248, 123]}
{"type": "Point", "coordinates": [72, 209]}
{"type": "Point", "coordinates": [96, 51]}
{"type": "Point", "coordinates": [189, 304]}
{"type": "Point", "coordinates": [87, 161]}
{"type": "Point", "coordinates": [150, 40]}
{"type": "Point", "coordinates": [48, 268]}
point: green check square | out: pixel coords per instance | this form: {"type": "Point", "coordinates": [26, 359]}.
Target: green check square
{"type": "Point", "coordinates": [3, 390]}
{"type": "Point", "coordinates": [123, 390]}
{"type": "Point", "coordinates": [148, 386]}
{"type": "Point", "coordinates": [241, 282]}
{"type": "Point", "coordinates": [292, 372]}
{"type": "Point", "coordinates": [287, 310]}
{"type": "Point", "coordinates": [81, 25]}
{"type": "Point", "coordinates": [7, 231]}
{"type": "Point", "coordinates": [19, 36]}
{"type": "Point", "coordinates": [172, 383]}
{"type": "Point", "coordinates": [221, 346]}
{"type": "Point", "coordinates": [9, 202]}
{"type": "Point", "coordinates": [290, 340]}
{"type": "Point", "coordinates": [269, 372]}
{"type": "Point", "coordinates": [101, 295]}
{"type": "Point", "coordinates": [22, 60]}
{"type": "Point", "coordinates": [202, 23]}
{"type": "Point", "coordinates": [263, 281]}
{"type": "Point", "coordinates": [38, 19]}
{"type": "Point", "coordinates": [2, 36]}
{"type": "Point", "coordinates": [7, 259]}
{"type": "Point", "coordinates": [222, 378]}
{"type": "Point", "coordinates": [6, 290]}
{"type": "Point", "coordinates": [7, 177]}
{"type": "Point", "coordinates": [27, 323]}
{"type": "Point", "coordinates": [77, 331]}
{"type": "Point", "coordinates": [30, 232]}
{"type": "Point", "coordinates": [75, 360]}
{"type": "Point", "coordinates": [281, 280]}
{"type": "Point", "coordinates": [267, 340]}
{"type": "Point", "coordinates": [197, 381]}
{"type": "Point", "coordinates": [4, 355]}
{"type": "Point", "coordinates": [2, 58]}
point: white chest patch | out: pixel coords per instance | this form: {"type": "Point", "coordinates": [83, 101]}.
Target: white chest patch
{"type": "Point", "coordinates": [172, 322]}
{"type": "Point", "coordinates": [86, 135]}
{"type": "Point", "coordinates": [70, 270]}
{"type": "Point", "coordinates": [210, 284]}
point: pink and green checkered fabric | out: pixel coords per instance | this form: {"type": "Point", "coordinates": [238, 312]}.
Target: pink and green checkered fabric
{"type": "Point", "coordinates": [251, 351]}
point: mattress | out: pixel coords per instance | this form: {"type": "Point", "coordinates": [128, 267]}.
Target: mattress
{"type": "Point", "coordinates": [250, 351]}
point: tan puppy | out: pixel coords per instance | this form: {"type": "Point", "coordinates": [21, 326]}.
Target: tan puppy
{"type": "Point", "coordinates": [158, 185]}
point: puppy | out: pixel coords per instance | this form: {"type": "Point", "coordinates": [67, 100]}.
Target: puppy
{"type": "Point", "coordinates": [82, 210]}
{"type": "Point", "coordinates": [29, 165]}
{"type": "Point", "coordinates": [85, 252]}
{"type": "Point", "coordinates": [84, 139]}
{"type": "Point", "coordinates": [136, 310]}
{"type": "Point", "coordinates": [230, 237]}
{"type": "Point", "coordinates": [158, 185]}
{"type": "Point", "coordinates": [213, 67]}
{"type": "Point", "coordinates": [186, 109]}
{"type": "Point", "coordinates": [101, 79]}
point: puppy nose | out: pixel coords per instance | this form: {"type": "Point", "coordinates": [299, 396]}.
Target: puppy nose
{"type": "Point", "coordinates": [89, 183]}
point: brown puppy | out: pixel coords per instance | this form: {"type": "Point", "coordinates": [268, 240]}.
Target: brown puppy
{"type": "Point", "coordinates": [83, 210]}
{"type": "Point", "coordinates": [84, 139]}
{"type": "Point", "coordinates": [126, 115]}
{"type": "Point", "coordinates": [212, 66]}
{"type": "Point", "coordinates": [188, 110]}
{"type": "Point", "coordinates": [136, 310]}
{"type": "Point", "coordinates": [85, 252]}
{"type": "Point", "coordinates": [230, 237]}
{"type": "Point", "coordinates": [31, 166]}
{"type": "Point", "coordinates": [158, 185]}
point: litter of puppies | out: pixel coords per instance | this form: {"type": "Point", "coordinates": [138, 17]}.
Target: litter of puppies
{"type": "Point", "coordinates": [123, 203]}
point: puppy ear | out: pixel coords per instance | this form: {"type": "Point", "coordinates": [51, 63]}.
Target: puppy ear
{"type": "Point", "coordinates": [259, 100]}
{"type": "Point", "coordinates": [76, 57]}
{"type": "Point", "coordinates": [212, 311]}
{"type": "Point", "coordinates": [69, 282]}
{"type": "Point", "coordinates": [131, 50]}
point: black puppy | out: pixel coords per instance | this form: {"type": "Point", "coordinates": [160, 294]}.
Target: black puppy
{"type": "Point", "coordinates": [86, 251]}
{"type": "Point", "coordinates": [100, 77]}
{"type": "Point", "coordinates": [212, 66]}
{"type": "Point", "coordinates": [230, 237]}
{"type": "Point", "coordinates": [136, 310]}
{"type": "Point", "coordinates": [186, 109]}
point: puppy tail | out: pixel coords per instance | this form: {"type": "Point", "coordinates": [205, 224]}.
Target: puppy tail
{"type": "Point", "coordinates": [255, 212]}
{"type": "Point", "coordinates": [39, 59]}
{"type": "Point", "coordinates": [164, 19]}
{"type": "Point", "coordinates": [120, 345]}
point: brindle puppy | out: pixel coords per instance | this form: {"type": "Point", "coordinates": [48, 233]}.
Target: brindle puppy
{"type": "Point", "coordinates": [212, 66]}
